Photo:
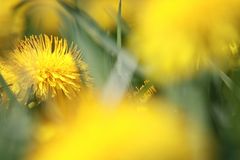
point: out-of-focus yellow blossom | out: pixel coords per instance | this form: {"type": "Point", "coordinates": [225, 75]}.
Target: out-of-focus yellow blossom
{"type": "Point", "coordinates": [132, 131]}
{"type": "Point", "coordinates": [175, 38]}
{"type": "Point", "coordinates": [11, 24]}
{"type": "Point", "coordinates": [104, 12]}
{"type": "Point", "coordinates": [46, 16]}
{"type": "Point", "coordinates": [48, 67]}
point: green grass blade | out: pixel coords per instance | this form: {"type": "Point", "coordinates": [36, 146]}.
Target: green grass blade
{"type": "Point", "coordinates": [7, 90]}
{"type": "Point", "coordinates": [119, 25]}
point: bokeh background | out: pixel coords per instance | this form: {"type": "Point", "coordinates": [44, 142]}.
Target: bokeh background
{"type": "Point", "coordinates": [162, 81]}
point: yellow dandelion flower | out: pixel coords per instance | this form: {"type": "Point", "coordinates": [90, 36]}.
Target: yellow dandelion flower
{"type": "Point", "coordinates": [48, 67]}
{"type": "Point", "coordinates": [176, 39]}
{"type": "Point", "coordinates": [131, 132]}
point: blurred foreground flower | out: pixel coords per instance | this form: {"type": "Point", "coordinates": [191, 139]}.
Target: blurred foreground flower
{"type": "Point", "coordinates": [175, 39]}
{"type": "Point", "coordinates": [132, 131]}
{"type": "Point", "coordinates": [46, 67]}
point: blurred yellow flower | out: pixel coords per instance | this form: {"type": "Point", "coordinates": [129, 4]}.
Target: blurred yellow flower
{"type": "Point", "coordinates": [11, 24]}
{"type": "Point", "coordinates": [46, 16]}
{"type": "Point", "coordinates": [104, 12]}
{"type": "Point", "coordinates": [130, 132]}
{"type": "Point", "coordinates": [174, 39]}
{"type": "Point", "coordinates": [48, 67]}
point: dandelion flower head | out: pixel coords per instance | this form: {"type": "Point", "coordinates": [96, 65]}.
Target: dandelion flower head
{"type": "Point", "coordinates": [46, 66]}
